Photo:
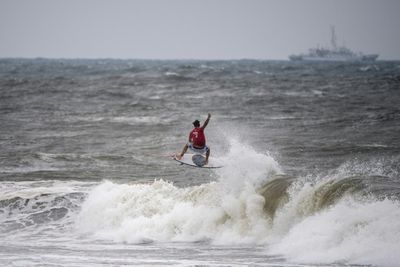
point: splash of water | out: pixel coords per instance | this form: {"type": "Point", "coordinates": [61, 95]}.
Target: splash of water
{"type": "Point", "coordinates": [226, 211]}
{"type": "Point", "coordinates": [312, 221]}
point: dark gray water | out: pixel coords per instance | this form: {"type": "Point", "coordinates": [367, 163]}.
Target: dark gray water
{"type": "Point", "coordinates": [311, 155]}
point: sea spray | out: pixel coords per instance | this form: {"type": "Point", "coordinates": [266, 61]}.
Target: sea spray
{"type": "Point", "coordinates": [242, 164]}
{"type": "Point", "coordinates": [227, 211]}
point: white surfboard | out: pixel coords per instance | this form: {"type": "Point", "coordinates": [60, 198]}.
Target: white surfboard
{"type": "Point", "coordinates": [197, 160]}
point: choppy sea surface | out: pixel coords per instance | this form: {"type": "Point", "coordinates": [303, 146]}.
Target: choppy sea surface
{"type": "Point", "coordinates": [311, 172]}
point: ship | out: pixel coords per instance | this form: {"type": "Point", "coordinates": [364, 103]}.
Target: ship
{"type": "Point", "coordinates": [335, 53]}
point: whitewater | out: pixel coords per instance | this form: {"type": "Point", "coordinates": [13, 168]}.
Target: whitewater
{"type": "Point", "coordinates": [310, 176]}
{"type": "Point", "coordinates": [233, 210]}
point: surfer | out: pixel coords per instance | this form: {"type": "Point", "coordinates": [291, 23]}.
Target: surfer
{"type": "Point", "coordinates": [197, 140]}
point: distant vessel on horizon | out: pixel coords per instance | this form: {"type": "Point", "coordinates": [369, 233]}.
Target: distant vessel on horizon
{"type": "Point", "coordinates": [336, 53]}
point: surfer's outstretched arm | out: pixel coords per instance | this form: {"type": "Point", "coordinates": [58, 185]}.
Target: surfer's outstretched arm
{"type": "Point", "coordinates": [185, 148]}
{"type": "Point", "coordinates": [206, 122]}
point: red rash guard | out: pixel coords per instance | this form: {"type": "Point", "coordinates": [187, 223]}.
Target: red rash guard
{"type": "Point", "coordinates": [197, 137]}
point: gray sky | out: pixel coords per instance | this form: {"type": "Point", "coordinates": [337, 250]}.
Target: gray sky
{"type": "Point", "coordinates": [189, 29]}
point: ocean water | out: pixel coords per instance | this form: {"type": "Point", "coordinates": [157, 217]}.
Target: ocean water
{"type": "Point", "coordinates": [311, 156]}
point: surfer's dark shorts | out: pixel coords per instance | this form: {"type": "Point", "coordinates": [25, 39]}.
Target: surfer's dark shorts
{"type": "Point", "coordinates": [198, 150]}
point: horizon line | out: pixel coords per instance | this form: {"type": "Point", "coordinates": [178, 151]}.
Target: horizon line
{"type": "Point", "coordinates": [168, 59]}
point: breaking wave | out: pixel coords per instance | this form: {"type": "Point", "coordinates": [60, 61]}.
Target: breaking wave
{"type": "Point", "coordinates": [38, 204]}
{"type": "Point", "coordinates": [349, 219]}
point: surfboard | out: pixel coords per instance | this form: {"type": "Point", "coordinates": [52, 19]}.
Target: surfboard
{"type": "Point", "coordinates": [197, 160]}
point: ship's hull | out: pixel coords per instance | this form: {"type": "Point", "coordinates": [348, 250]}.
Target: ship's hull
{"type": "Point", "coordinates": [336, 58]}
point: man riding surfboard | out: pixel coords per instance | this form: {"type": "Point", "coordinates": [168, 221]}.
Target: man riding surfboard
{"type": "Point", "coordinates": [197, 140]}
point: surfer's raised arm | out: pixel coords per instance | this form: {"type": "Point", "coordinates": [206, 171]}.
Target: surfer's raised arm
{"type": "Point", "coordinates": [206, 121]}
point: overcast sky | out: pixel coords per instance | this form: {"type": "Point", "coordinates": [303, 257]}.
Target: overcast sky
{"type": "Point", "coordinates": [195, 29]}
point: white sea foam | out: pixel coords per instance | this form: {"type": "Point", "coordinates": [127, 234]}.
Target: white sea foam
{"type": "Point", "coordinates": [227, 211]}
{"type": "Point", "coordinates": [35, 166]}
{"type": "Point", "coordinates": [350, 231]}
{"type": "Point", "coordinates": [162, 212]}
{"type": "Point", "coordinates": [171, 74]}
{"type": "Point", "coordinates": [31, 189]}
{"type": "Point", "coordinates": [231, 211]}
{"type": "Point", "coordinates": [137, 120]}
